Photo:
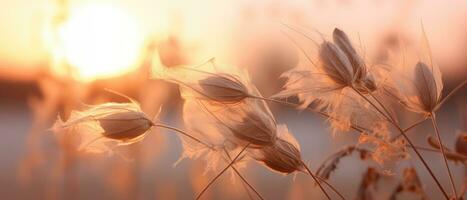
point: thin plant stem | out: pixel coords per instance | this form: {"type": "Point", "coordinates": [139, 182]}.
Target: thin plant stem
{"type": "Point", "coordinates": [208, 146]}
{"type": "Point", "coordinates": [332, 187]}
{"type": "Point", "coordinates": [412, 145]}
{"type": "Point", "coordinates": [454, 156]}
{"type": "Point", "coordinates": [435, 126]}
{"type": "Point", "coordinates": [415, 124]}
{"type": "Point", "coordinates": [384, 107]}
{"type": "Point", "coordinates": [457, 88]}
{"type": "Point", "coordinates": [243, 179]}
{"type": "Point", "coordinates": [300, 48]}
{"type": "Point", "coordinates": [222, 172]}
{"type": "Point", "coordinates": [374, 106]}
{"type": "Point", "coordinates": [317, 181]}
{"type": "Point", "coordinates": [182, 132]}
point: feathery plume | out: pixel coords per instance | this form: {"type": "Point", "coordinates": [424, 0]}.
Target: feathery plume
{"type": "Point", "coordinates": [331, 84]}
{"type": "Point", "coordinates": [385, 149]}
{"type": "Point", "coordinates": [102, 127]}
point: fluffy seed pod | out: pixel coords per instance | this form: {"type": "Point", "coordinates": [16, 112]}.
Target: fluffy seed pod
{"type": "Point", "coordinates": [363, 81]}
{"type": "Point", "coordinates": [209, 83]}
{"type": "Point", "coordinates": [224, 88]}
{"type": "Point", "coordinates": [342, 41]}
{"type": "Point", "coordinates": [428, 87]}
{"type": "Point", "coordinates": [217, 138]}
{"type": "Point", "coordinates": [336, 64]}
{"type": "Point", "coordinates": [420, 91]}
{"type": "Point", "coordinates": [104, 126]}
{"type": "Point", "coordinates": [284, 156]}
{"type": "Point", "coordinates": [461, 144]}
{"type": "Point", "coordinates": [254, 130]}
{"type": "Point", "coordinates": [246, 120]}
{"type": "Point", "coordinates": [124, 126]}
{"type": "Point", "coordinates": [339, 71]}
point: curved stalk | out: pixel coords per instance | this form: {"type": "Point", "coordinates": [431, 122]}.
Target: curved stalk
{"type": "Point", "coordinates": [435, 126]}
{"type": "Point", "coordinates": [457, 88]}
{"type": "Point", "coordinates": [222, 172]}
{"type": "Point", "coordinates": [415, 124]}
{"type": "Point", "coordinates": [243, 179]}
{"type": "Point", "coordinates": [317, 181]}
{"type": "Point", "coordinates": [332, 187]}
{"type": "Point", "coordinates": [183, 133]}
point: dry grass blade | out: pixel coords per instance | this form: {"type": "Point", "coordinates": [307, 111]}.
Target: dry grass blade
{"type": "Point", "coordinates": [330, 164]}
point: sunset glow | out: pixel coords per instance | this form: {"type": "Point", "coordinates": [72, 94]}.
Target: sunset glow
{"type": "Point", "coordinates": [101, 41]}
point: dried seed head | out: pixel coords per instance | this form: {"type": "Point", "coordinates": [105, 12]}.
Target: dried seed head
{"type": "Point", "coordinates": [339, 69]}
{"type": "Point", "coordinates": [249, 121]}
{"type": "Point", "coordinates": [125, 125]}
{"type": "Point", "coordinates": [419, 85]}
{"type": "Point", "coordinates": [461, 144]}
{"type": "Point", "coordinates": [224, 88]}
{"type": "Point", "coordinates": [427, 86]}
{"type": "Point", "coordinates": [343, 42]}
{"type": "Point", "coordinates": [336, 64]}
{"type": "Point", "coordinates": [284, 156]}
{"type": "Point", "coordinates": [207, 82]}
{"type": "Point", "coordinates": [363, 81]}
{"type": "Point", "coordinates": [104, 126]}
{"type": "Point", "coordinates": [252, 129]}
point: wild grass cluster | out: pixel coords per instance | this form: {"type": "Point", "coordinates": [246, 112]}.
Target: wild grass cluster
{"type": "Point", "coordinates": [229, 123]}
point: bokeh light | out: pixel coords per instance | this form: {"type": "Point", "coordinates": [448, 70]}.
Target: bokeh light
{"type": "Point", "coordinates": [101, 41]}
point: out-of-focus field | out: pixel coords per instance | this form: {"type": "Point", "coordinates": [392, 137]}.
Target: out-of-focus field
{"type": "Point", "coordinates": [48, 67]}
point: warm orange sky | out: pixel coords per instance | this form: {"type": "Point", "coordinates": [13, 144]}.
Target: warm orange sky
{"type": "Point", "coordinates": [209, 26]}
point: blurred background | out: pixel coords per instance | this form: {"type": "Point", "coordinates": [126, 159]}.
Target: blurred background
{"type": "Point", "coordinates": [56, 55]}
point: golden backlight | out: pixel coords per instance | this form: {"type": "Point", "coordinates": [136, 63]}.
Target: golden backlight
{"type": "Point", "coordinates": [101, 41]}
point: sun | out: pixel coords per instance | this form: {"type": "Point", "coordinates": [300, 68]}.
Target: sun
{"type": "Point", "coordinates": [101, 41]}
